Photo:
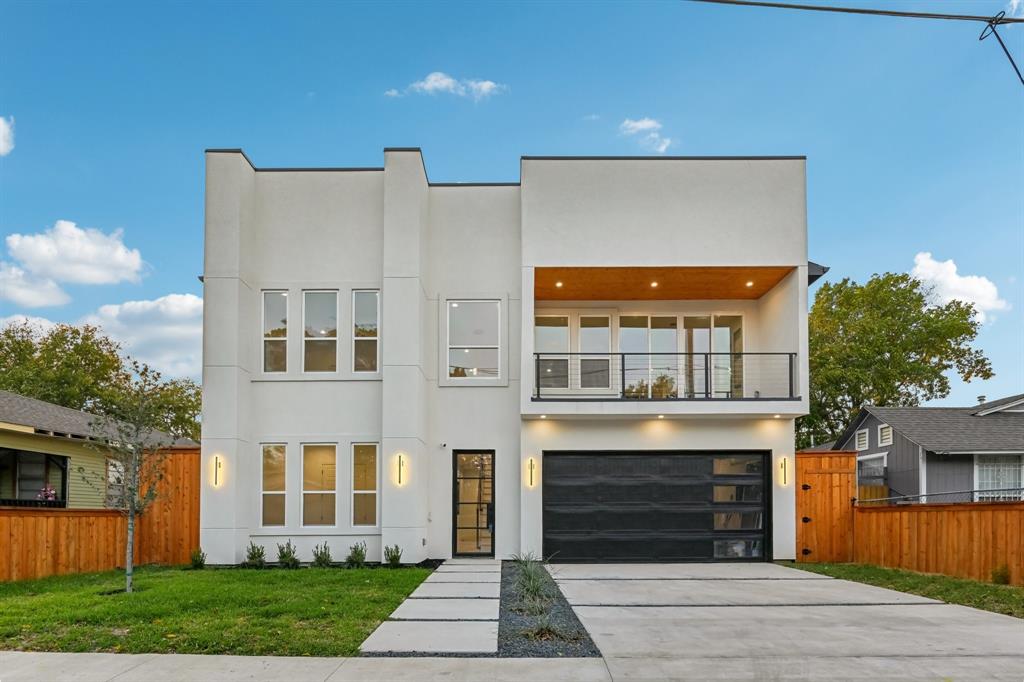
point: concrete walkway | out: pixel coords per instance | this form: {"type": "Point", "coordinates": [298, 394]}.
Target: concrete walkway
{"type": "Point", "coordinates": [454, 611]}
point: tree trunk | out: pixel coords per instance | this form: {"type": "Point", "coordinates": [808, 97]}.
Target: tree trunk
{"type": "Point", "coordinates": [129, 549]}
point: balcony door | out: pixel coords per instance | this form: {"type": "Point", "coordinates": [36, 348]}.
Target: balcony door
{"type": "Point", "coordinates": [473, 503]}
{"type": "Point", "coordinates": [650, 356]}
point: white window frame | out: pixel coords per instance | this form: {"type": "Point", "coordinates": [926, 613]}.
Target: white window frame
{"type": "Point", "coordinates": [263, 330]}
{"type": "Point", "coordinates": [867, 440]}
{"type": "Point", "coordinates": [302, 472]}
{"type": "Point", "coordinates": [282, 493]}
{"type": "Point", "coordinates": [375, 491]}
{"type": "Point", "coordinates": [884, 456]}
{"type": "Point", "coordinates": [556, 356]}
{"type": "Point", "coordinates": [577, 319]}
{"type": "Point", "coordinates": [500, 379]}
{"type": "Point", "coordinates": [978, 496]}
{"type": "Point", "coordinates": [337, 318]}
{"type": "Point", "coordinates": [352, 332]}
{"type": "Point", "coordinates": [882, 442]}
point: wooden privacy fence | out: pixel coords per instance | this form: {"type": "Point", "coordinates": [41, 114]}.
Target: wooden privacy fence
{"type": "Point", "coordinates": [37, 542]}
{"type": "Point", "coordinates": [964, 540]}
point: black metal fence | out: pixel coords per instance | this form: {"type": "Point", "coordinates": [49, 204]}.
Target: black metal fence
{"type": "Point", "coordinates": [665, 376]}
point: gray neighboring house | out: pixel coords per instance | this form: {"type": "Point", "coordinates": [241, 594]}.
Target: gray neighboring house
{"type": "Point", "coordinates": [932, 450]}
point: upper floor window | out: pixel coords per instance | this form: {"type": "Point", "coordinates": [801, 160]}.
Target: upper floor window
{"type": "Point", "coordinates": [885, 435]}
{"type": "Point", "coordinates": [551, 336]}
{"type": "Point", "coordinates": [320, 331]}
{"type": "Point", "coordinates": [365, 331]}
{"type": "Point", "coordinates": [275, 331]}
{"type": "Point", "coordinates": [595, 338]}
{"type": "Point", "coordinates": [474, 333]}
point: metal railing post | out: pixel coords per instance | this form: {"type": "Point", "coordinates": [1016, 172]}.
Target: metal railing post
{"type": "Point", "coordinates": [536, 373]}
{"type": "Point", "coordinates": [707, 375]}
{"type": "Point", "coordinates": [622, 375]}
{"type": "Point", "coordinates": [792, 357]}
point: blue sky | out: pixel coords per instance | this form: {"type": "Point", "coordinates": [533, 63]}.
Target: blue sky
{"type": "Point", "coordinates": [914, 131]}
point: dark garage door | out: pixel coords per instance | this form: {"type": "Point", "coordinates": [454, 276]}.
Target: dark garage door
{"type": "Point", "coordinates": [656, 506]}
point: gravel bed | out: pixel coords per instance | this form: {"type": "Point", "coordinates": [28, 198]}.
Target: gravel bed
{"type": "Point", "coordinates": [512, 643]}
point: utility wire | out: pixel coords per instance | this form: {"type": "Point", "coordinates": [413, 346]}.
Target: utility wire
{"type": "Point", "coordinates": [990, 22]}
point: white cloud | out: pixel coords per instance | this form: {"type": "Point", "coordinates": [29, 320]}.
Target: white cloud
{"type": "Point", "coordinates": [165, 333]}
{"type": "Point", "coordinates": [6, 135]}
{"type": "Point", "coordinates": [947, 285]}
{"type": "Point", "coordinates": [68, 253]}
{"type": "Point", "coordinates": [1015, 8]}
{"type": "Point", "coordinates": [647, 132]}
{"type": "Point", "coordinates": [40, 323]}
{"type": "Point", "coordinates": [22, 288]}
{"type": "Point", "coordinates": [438, 82]}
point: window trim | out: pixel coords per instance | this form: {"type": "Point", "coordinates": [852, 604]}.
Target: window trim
{"type": "Point", "coordinates": [304, 492]}
{"type": "Point", "coordinates": [881, 441]}
{"type": "Point", "coordinates": [376, 482]}
{"type": "Point", "coordinates": [352, 332]}
{"type": "Point", "coordinates": [263, 330]}
{"type": "Point", "coordinates": [875, 455]}
{"type": "Point", "coordinates": [334, 339]}
{"type": "Point", "coordinates": [867, 440]}
{"type": "Point", "coordinates": [444, 302]}
{"type": "Point", "coordinates": [577, 319]}
{"type": "Point", "coordinates": [557, 355]}
{"type": "Point", "coordinates": [282, 493]}
{"type": "Point", "coordinates": [976, 481]}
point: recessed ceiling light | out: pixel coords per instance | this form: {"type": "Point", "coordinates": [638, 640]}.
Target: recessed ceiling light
{"type": "Point", "coordinates": [543, 416]}
{"type": "Point", "coordinates": [455, 305]}
{"type": "Point", "coordinates": [750, 284]}
{"type": "Point", "coordinates": [778, 416]}
{"type": "Point", "coordinates": [661, 416]}
{"type": "Point", "coordinates": [558, 284]}
{"type": "Point", "coordinates": [654, 284]}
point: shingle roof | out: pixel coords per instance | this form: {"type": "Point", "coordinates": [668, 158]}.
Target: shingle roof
{"type": "Point", "coordinates": [56, 420]}
{"type": "Point", "coordinates": [951, 429]}
{"type": "Point", "coordinates": [820, 447]}
{"type": "Point", "coordinates": [996, 404]}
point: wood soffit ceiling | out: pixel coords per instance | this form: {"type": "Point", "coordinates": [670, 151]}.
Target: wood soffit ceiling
{"type": "Point", "coordinates": [674, 283]}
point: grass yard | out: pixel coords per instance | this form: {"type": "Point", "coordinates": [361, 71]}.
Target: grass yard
{"type": "Point", "coordinates": [1004, 599]}
{"type": "Point", "coordinates": [304, 612]}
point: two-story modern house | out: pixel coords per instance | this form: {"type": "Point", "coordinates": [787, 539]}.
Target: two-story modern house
{"type": "Point", "coordinates": [601, 362]}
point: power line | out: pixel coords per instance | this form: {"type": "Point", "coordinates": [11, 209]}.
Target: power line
{"type": "Point", "coordinates": [990, 22]}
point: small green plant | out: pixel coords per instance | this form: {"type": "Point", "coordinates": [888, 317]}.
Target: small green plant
{"type": "Point", "coordinates": [532, 607]}
{"type": "Point", "coordinates": [322, 556]}
{"type": "Point", "coordinates": [1001, 575]}
{"type": "Point", "coordinates": [286, 556]}
{"type": "Point", "coordinates": [255, 556]}
{"type": "Point", "coordinates": [356, 555]}
{"type": "Point", "coordinates": [198, 558]}
{"type": "Point", "coordinates": [543, 630]}
{"type": "Point", "coordinates": [393, 555]}
{"type": "Point", "coordinates": [531, 578]}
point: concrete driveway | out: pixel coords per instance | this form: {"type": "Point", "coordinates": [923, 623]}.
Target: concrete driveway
{"type": "Point", "coordinates": [768, 622]}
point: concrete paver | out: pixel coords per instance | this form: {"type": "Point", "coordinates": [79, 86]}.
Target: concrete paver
{"type": "Point", "coordinates": [462, 637]}
{"type": "Point", "coordinates": [458, 590]}
{"type": "Point", "coordinates": [59, 667]}
{"type": "Point", "coordinates": [738, 571]}
{"type": "Point", "coordinates": [447, 609]}
{"type": "Point", "coordinates": [468, 568]}
{"type": "Point", "coordinates": [464, 577]}
{"type": "Point", "coordinates": [472, 669]}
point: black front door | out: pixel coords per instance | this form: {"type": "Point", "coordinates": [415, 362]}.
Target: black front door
{"type": "Point", "coordinates": [473, 503]}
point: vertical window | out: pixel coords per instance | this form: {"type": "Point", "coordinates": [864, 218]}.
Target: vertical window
{"type": "Point", "coordinates": [633, 344]}
{"type": "Point", "coordinates": [114, 497]}
{"type": "Point", "coordinates": [727, 344]}
{"type": "Point", "coordinates": [595, 337]}
{"type": "Point", "coordinates": [696, 345]}
{"type": "Point", "coordinates": [861, 440]}
{"type": "Point", "coordinates": [319, 476]}
{"type": "Point", "coordinates": [996, 473]}
{"type": "Point", "coordinates": [273, 485]}
{"type": "Point", "coordinates": [365, 335]}
{"type": "Point", "coordinates": [885, 435]}
{"type": "Point", "coordinates": [320, 331]}
{"type": "Point", "coordinates": [664, 358]}
{"type": "Point", "coordinates": [364, 484]}
{"type": "Point", "coordinates": [474, 330]}
{"type": "Point", "coordinates": [551, 340]}
{"type": "Point", "coordinates": [275, 331]}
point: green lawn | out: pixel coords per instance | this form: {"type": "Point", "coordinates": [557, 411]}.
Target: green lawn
{"type": "Point", "coordinates": [998, 598]}
{"type": "Point", "coordinates": [304, 612]}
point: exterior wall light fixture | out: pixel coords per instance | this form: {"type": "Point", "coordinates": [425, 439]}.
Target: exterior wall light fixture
{"type": "Point", "coordinates": [216, 471]}
{"type": "Point", "coordinates": [401, 467]}
{"type": "Point", "coordinates": [783, 469]}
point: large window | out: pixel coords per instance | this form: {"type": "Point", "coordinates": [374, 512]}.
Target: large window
{"type": "Point", "coordinates": [365, 331]}
{"type": "Point", "coordinates": [364, 484]}
{"type": "Point", "coordinates": [595, 337]}
{"type": "Point", "coordinates": [320, 331]}
{"type": "Point", "coordinates": [551, 338]}
{"type": "Point", "coordinates": [999, 477]}
{"type": "Point", "coordinates": [650, 360]}
{"type": "Point", "coordinates": [275, 331]}
{"type": "Point", "coordinates": [273, 501]}
{"type": "Point", "coordinates": [33, 479]}
{"type": "Point", "coordinates": [319, 481]}
{"type": "Point", "coordinates": [474, 333]}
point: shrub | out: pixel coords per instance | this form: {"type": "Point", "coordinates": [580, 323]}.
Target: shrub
{"type": "Point", "coordinates": [322, 556]}
{"type": "Point", "coordinates": [393, 555]}
{"type": "Point", "coordinates": [356, 555]}
{"type": "Point", "coordinates": [531, 578]}
{"type": "Point", "coordinates": [255, 556]}
{"type": "Point", "coordinates": [198, 558]}
{"type": "Point", "coordinates": [1001, 575]}
{"type": "Point", "coordinates": [543, 630]}
{"type": "Point", "coordinates": [286, 557]}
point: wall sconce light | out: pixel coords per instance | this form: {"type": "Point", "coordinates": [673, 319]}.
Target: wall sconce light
{"type": "Point", "coordinates": [785, 473]}
{"type": "Point", "coordinates": [401, 467]}
{"type": "Point", "coordinates": [531, 473]}
{"type": "Point", "coordinates": [216, 471]}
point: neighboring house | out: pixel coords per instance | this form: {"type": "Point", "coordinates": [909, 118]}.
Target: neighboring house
{"type": "Point", "coordinates": [602, 361]}
{"type": "Point", "coordinates": [931, 450]}
{"type": "Point", "coordinates": [47, 458]}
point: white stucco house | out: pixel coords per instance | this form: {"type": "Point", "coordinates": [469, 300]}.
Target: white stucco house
{"type": "Point", "coordinates": [601, 362]}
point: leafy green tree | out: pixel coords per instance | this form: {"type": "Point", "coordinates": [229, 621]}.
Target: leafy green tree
{"type": "Point", "coordinates": [887, 343]}
{"type": "Point", "coordinates": [81, 368]}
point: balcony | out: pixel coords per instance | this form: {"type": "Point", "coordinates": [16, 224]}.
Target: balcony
{"type": "Point", "coordinates": [665, 376]}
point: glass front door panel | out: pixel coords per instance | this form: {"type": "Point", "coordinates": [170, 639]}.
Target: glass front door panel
{"type": "Point", "coordinates": [474, 503]}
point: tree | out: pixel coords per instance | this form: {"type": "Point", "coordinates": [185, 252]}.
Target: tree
{"type": "Point", "coordinates": [132, 439]}
{"type": "Point", "coordinates": [887, 343]}
{"type": "Point", "coordinates": [81, 368]}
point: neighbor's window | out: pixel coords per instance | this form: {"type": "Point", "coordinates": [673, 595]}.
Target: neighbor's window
{"type": "Point", "coordinates": [551, 340]}
{"type": "Point", "coordinates": [365, 335]}
{"type": "Point", "coordinates": [364, 484]}
{"type": "Point", "coordinates": [871, 470]}
{"type": "Point", "coordinates": [885, 435]}
{"type": "Point", "coordinates": [320, 331]}
{"type": "Point", "coordinates": [996, 473]}
{"type": "Point", "coordinates": [273, 485]}
{"type": "Point", "coordinates": [319, 476]}
{"type": "Point", "coordinates": [474, 332]}
{"type": "Point", "coordinates": [114, 497]}
{"type": "Point", "coordinates": [861, 440]}
{"type": "Point", "coordinates": [275, 331]}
